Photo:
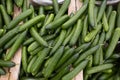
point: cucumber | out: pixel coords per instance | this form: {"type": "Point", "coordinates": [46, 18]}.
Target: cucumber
{"type": "Point", "coordinates": [19, 3]}
{"type": "Point", "coordinates": [113, 43]}
{"type": "Point", "coordinates": [53, 62]}
{"type": "Point", "coordinates": [31, 22]}
{"type": "Point", "coordinates": [59, 42]}
{"type": "Point", "coordinates": [11, 42]}
{"type": "Point", "coordinates": [9, 4]}
{"type": "Point", "coordinates": [6, 17]}
{"type": "Point", "coordinates": [37, 65]}
{"type": "Point", "coordinates": [86, 54]}
{"type": "Point", "coordinates": [15, 46]}
{"type": "Point", "coordinates": [93, 33]}
{"type": "Point", "coordinates": [91, 12]}
{"type": "Point", "coordinates": [29, 67]}
{"type": "Point", "coordinates": [24, 58]}
{"type": "Point", "coordinates": [37, 37]}
{"type": "Point", "coordinates": [99, 68]}
{"type": "Point", "coordinates": [10, 34]}
{"type": "Point", "coordinates": [83, 47]}
{"type": "Point", "coordinates": [72, 20]}
{"type": "Point", "coordinates": [56, 23]}
{"type": "Point", "coordinates": [6, 63]}
{"type": "Point", "coordinates": [68, 53]}
{"type": "Point", "coordinates": [55, 6]}
{"type": "Point", "coordinates": [75, 71]}
{"type": "Point", "coordinates": [71, 60]}
{"type": "Point", "coordinates": [76, 33]}
{"type": "Point", "coordinates": [63, 72]}
{"type": "Point", "coordinates": [19, 18]}
{"type": "Point", "coordinates": [63, 9]}
{"type": "Point", "coordinates": [111, 24]}
{"type": "Point", "coordinates": [102, 10]}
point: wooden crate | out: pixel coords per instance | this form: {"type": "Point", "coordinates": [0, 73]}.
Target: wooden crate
{"type": "Point", "coordinates": [13, 73]}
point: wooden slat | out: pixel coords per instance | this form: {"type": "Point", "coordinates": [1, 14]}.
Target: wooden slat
{"type": "Point", "coordinates": [78, 6]}
{"type": "Point", "coordinates": [72, 8]}
{"type": "Point", "coordinates": [13, 73]}
{"type": "Point", "coordinates": [75, 5]}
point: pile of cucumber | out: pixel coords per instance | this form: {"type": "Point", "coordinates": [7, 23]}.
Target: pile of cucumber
{"type": "Point", "coordinates": [58, 46]}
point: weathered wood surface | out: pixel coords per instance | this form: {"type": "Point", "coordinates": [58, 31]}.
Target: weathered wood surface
{"type": "Point", "coordinates": [13, 73]}
{"type": "Point", "coordinates": [74, 6]}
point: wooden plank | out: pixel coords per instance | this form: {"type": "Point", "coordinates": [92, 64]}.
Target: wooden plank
{"type": "Point", "coordinates": [78, 6]}
{"type": "Point", "coordinates": [5, 77]}
{"type": "Point", "coordinates": [13, 73]}
{"type": "Point", "coordinates": [72, 8]}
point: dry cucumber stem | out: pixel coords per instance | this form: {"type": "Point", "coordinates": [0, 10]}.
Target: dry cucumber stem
{"type": "Point", "coordinates": [52, 42]}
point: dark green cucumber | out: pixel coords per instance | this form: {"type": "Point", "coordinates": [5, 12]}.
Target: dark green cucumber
{"type": "Point", "coordinates": [56, 6]}
{"type": "Point", "coordinates": [111, 25]}
{"type": "Point", "coordinates": [72, 20]}
{"type": "Point", "coordinates": [95, 41]}
{"type": "Point", "coordinates": [91, 12]}
{"type": "Point", "coordinates": [40, 59]}
{"type": "Point", "coordinates": [31, 22]}
{"type": "Point", "coordinates": [6, 17]}
{"type": "Point", "coordinates": [16, 46]}
{"type": "Point", "coordinates": [33, 46]}
{"type": "Point", "coordinates": [10, 34]}
{"type": "Point", "coordinates": [10, 43]}
{"type": "Point", "coordinates": [83, 47]}
{"type": "Point", "coordinates": [108, 12]}
{"type": "Point", "coordinates": [33, 59]}
{"type": "Point", "coordinates": [96, 60]}
{"type": "Point", "coordinates": [63, 9]}
{"type": "Point", "coordinates": [71, 60]}
{"type": "Point", "coordinates": [35, 51]}
{"type": "Point", "coordinates": [50, 19]}
{"type": "Point", "coordinates": [24, 58]}
{"type": "Point", "coordinates": [75, 71]}
{"type": "Point", "coordinates": [19, 18]}
{"type": "Point", "coordinates": [93, 33]}
{"type": "Point", "coordinates": [57, 23]}
{"type": "Point", "coordinates": [9, 4]}
{"type": "Point", "coordinates": [37, 37]}
{"type": "Point", "coordinates": [6, 63]}
{"type": "Point", "coordinates": [113, 43]}
{"type": "Point", "coordinates": [85, 28]}
{"type": "Point", "coordinates": [61, 73]}
{"type": "Point", "coordinates": [99, 68]}
{"type": "Point", "coordinates": [86, 54]}
{"type": "Point", "coordinates": [105, 23]}
{"type": "Point", "coordinates": [28, 41]}
{"type": "Point", "coordinates": [67, 39]}
{"type": "Point", "coordinates": [53, 62]}
{"type": "Point", "coordinates": [59, 42]}
{"type": "Point", "coordinates": [102, 10]}
{"type": "Point", "coordinates": [68, 53]}
{"type": "Point", "coordinates": [19, 3]}
{"type": "Point", "coordinates": [76, 33]}
{"type": "Point", "coordinates": [25, 5]}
